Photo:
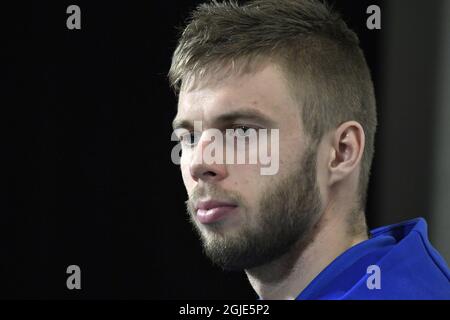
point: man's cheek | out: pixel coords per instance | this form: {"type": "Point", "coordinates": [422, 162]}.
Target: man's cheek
{"type": "Point", "coordinates": [187, 178]}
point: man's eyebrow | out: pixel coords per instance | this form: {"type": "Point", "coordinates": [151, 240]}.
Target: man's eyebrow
{"type": "Point", "coordinates": [244, 114]}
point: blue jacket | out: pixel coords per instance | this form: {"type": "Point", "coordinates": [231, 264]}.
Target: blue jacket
{"type": "Point", "coordinates": [397, 262]}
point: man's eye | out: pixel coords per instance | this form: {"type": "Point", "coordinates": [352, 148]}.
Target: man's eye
{"type": "Point", "coordinates": [190, 138]}
{"type": "Point", "coordinates": [243, 131]}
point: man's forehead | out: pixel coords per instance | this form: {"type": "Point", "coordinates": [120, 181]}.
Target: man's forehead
{"type": "Point", "coordinates": [264, 91]}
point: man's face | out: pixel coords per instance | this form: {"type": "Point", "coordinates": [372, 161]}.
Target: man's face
{"type": "Point", "coordinates": [246, 219]}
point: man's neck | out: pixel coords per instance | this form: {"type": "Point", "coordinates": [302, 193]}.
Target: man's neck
{"type": "Point", "coordinates": [288, 276]}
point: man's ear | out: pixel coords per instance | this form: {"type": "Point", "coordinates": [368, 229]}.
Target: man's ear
{"type": "Point", "coordinates": [347, 147]}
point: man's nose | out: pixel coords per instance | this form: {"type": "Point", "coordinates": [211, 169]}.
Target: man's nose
{"type": "Point", "coordinates": [207, 171]}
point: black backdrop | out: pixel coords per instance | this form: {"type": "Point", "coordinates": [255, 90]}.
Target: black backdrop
{"type": "Point", "coordinates": [88, 178]}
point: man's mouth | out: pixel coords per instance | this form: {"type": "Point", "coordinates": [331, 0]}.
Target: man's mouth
{"type": "Point", "coordinates": [213, 211]}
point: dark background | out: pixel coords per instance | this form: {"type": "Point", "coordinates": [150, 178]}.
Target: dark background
{"type": "Point", "coordinates": [88, 178]}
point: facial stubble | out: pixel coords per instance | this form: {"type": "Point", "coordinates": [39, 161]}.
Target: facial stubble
{"type": "Point", "coordinates": [287, 213]}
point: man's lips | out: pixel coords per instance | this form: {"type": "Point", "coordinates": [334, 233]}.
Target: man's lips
{"type": "Point", "coordinates": [213, 211]}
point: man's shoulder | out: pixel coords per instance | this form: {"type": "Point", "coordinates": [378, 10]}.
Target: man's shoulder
{"type": "Point", "coordinates": [411, 269]}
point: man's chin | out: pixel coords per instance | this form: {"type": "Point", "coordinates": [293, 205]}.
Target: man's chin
{"type": "Point", "coordinates": [225, 261]}
{"type": "Point", "coordinates": [218, 235]}
{"type": "Point", "coordinates": [227, 228]}
{"type": "Point", "coordinates": [229, 251]}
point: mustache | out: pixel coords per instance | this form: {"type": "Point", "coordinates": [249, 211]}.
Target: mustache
{"type": "Point", "coordinates": [213, 192]}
